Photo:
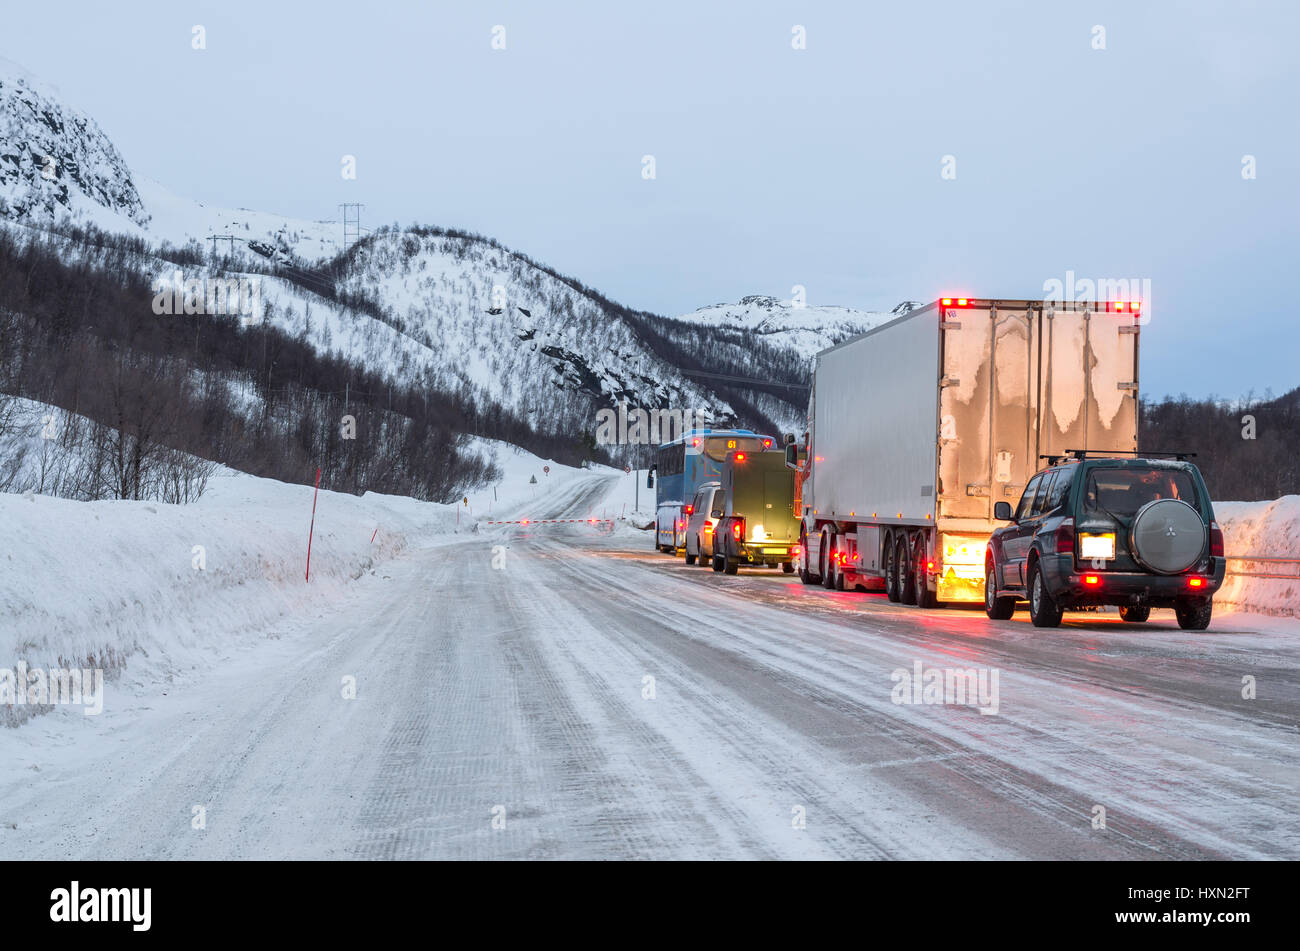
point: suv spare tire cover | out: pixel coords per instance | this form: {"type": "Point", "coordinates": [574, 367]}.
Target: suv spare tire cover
{"type": "Point", "coordinates": [1168, 536]}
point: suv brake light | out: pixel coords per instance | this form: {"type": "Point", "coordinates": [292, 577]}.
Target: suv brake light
{"type": "Point", "coordinates": [1216, 540]}
{"type": "Point", "coordinates": [1065, 537]}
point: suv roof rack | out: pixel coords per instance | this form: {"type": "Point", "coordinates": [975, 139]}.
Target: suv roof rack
{"type": "Point", "coordinates": [1180, 455]}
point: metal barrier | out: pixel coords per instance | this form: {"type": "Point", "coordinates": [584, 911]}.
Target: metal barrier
{"type": "Point", "coordinates": [1265, 560]}
{"type": "Point", "coordinates": [553, 521]}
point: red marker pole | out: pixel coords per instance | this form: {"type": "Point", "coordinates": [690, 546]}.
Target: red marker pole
{"type": "Point", "coordinates": [312, 530]}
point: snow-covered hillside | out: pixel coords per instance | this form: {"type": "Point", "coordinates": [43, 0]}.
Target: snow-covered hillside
{"type": "Point", "coordinates": [502, 326]}
{"type": "Point", "coordinates": [447, 309]}
{"type": "Point", "coordinates": [57, 163]}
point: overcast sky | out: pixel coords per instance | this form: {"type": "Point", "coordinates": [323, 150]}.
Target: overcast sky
{"type": "Point", "coordinates": [774, 166]}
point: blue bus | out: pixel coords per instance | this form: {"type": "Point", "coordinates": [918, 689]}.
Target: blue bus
{"type": "Point", "coordinates": [684, 464]}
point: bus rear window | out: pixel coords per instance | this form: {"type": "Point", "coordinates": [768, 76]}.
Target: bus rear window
{"type": "Point", "coordinates": [717, 447]}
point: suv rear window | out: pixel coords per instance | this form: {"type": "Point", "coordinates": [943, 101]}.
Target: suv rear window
{"type": "Point", "coordinates": [1122, 491]}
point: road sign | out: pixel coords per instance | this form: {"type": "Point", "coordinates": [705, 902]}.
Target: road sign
{"type": "Point", "coordinates": [627, 469]}
{"type": "Point", "coordinates": [546, 469]}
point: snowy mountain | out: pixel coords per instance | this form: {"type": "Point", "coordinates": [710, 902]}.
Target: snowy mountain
{"type": "Point", "coordinates": [56, 163]}
{"type": "Point", "coordinates": [781, 323]}
{"type": "Point", "coordinates": [54, 160]}
{"type": "Point", "coordinates": [423, 307]}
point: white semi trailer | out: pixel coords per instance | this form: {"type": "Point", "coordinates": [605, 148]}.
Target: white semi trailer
{"type": "Point", "coordinates": [916, 429]}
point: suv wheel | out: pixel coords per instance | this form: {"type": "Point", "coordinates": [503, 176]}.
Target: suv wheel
{"type": "Point", "coordinates": [690, 559]}
{"type": "Point", "coordinates": [1194, 614]}
{"type": "Point", "coordinates": [1135, 613]}
{"type": "Point", "coordinates": [1043, 611]}
{"type": "Point", "coordinates": [999, 609]}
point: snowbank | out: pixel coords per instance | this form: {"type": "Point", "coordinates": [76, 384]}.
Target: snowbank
{"type": "Point", "coordinates": [98, 584]}
{"type": "Point", "coordinates": [91, 584]}
{"type": "Point", "coordinates": [1266, 529]}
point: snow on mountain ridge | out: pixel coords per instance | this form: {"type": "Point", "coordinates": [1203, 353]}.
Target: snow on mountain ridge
{"type": "Point", "coordinates": [506, 328]}
{"type": "Point", "coordinates": [56, 162]}
{"type": "Point", "coordinates": [55, 159]}
{"type": "Point", "coordinates": [806, 330]}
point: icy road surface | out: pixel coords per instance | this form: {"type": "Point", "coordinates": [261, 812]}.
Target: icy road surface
{"type": "Point", "coordinates": [506, 713]}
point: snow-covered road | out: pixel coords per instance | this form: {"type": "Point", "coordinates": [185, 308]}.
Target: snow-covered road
{"type": "Point", "coordinates": [551, 692]}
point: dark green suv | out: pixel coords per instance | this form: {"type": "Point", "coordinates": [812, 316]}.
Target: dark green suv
{"type": "Point", "coordinates": [1137, 533]}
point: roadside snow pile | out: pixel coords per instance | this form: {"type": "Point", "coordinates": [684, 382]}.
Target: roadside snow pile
{"type": "Point", "coordinates": [1264, 529]}
{"type": "Point", "coordinates": [91, 584]}
{"type": "Point", "coordinates": [101, 584]}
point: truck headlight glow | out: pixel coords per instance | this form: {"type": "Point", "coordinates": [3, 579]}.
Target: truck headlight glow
{"type": "Point", "coordinates": [1099, 546]}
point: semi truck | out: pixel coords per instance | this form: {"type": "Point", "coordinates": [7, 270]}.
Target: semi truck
{"type": "Point", "coordinates": [919, 427]}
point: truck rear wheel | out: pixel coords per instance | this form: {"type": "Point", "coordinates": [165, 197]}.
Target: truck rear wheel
{"type": "Point", "coordinates": [827, 559]}
{"type": "Point", "coordinates": [891, 568]}
{"type": "Point", "coordinates": [923, 596]}
{"type": "Point", "coordinates": [717, 563]}
{"type": "Point", "coordinates": [730, 565]}
{"type": "Point", "coordinates": [806, 576]}
{"type": "Point", "coordinates": [906, 578]}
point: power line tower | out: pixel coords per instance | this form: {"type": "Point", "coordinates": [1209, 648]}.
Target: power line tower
{"type": "Point", "coordinates": [351, 223]}
{"type": "Point", "coordinates": [223, 237]}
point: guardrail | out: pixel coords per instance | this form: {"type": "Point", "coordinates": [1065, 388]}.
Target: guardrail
{"type": "Point", "coordinates": [1265, 560]}
{"type": "Point", "coordinates": [552, 521]}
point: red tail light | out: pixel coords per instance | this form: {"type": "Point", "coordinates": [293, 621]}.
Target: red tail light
{"type": "Point", "coordinates": [689, 510]}
{"type": "Point", "coordinates": [1065, 538]}
{"type": "Point", "coordinates": [1196, 582]}
{"type": "Point", "coordinates": [739, 457]}
{"type": "Point", "coordinates": [767, 444]}
{"type": "Point", "coordinates": [737, 530]}
{"type": "Point", "coordinates": [1092, 581]}
{"type": "Point", "coordinates": [796, 551]}
{"type": "Point", "coordinates": [1216, 540]}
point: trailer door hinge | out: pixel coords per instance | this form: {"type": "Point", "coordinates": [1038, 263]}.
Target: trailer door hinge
{"type": "Point", "coordinates": [950, 325]}
{"type": "Point", "coordinates": [1131, 329]}
{"type": "Point", "coordinates": [1126, 386]}
{"type": "Point", "coordinates": [950, 381]}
